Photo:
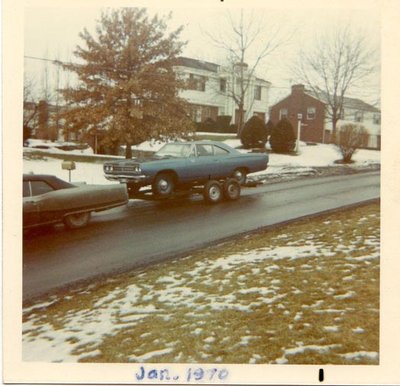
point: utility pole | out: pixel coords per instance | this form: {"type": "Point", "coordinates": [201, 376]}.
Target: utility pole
{"type": "Point", "coordinates": [299, 118]}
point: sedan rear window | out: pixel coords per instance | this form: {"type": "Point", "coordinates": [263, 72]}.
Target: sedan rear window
{"type": "Point", "coordinates": [220, 151]}
{"type": "Point", "coordinates": [40, 187]}
{"type": "Point", "coordinates": [26, 189]}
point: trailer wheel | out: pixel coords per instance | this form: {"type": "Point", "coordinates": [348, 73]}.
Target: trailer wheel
{"type": "Point", "coordinates": [163, 185]}
{"type": "Point", "coordinates": [231, 189]}
{"type": "Point", "coordinates": [213, 192]}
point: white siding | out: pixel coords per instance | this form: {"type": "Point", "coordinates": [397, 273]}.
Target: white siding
{"type": "Point", "coordinates": [368, 121]}
{"type": "Point", "coordinates": [212, 96]}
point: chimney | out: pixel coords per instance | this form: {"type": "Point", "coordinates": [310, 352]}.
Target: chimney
{"type": "Point", "coordinates": [298, 89]}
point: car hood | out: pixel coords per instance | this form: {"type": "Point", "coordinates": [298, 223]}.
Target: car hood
{"type": "Point", "coordinates": [142, 161]}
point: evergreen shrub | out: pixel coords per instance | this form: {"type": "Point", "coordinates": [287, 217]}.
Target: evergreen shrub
{"type": "Point", "coordinates": [254, 133]}
{"type": "Point", "coordinates": [283, 138]}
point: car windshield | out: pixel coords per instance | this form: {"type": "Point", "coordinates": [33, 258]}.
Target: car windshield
{"type": "Point", "coordinates": [174, 150]}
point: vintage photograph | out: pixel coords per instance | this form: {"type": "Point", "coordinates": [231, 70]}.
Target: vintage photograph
{"type": "Point", "coordinates": [201, 192]}
{"type": "Point", "coordinates": [201, 185]}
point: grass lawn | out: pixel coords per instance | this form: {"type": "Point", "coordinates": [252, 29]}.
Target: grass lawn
{"type": "Point", "coordinates": [303, 293]}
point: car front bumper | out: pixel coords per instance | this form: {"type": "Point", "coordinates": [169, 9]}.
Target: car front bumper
{"type": "Point", "coordinates": [124, 178]}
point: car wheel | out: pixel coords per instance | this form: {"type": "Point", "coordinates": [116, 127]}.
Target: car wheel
{"type": "Point", "coordinates": [240, 175]}
{"type": "Point", "coordinates": [231, 189]}
{"type": "Point", "coordinates": [77, 220]}
{"type": "Point", "coordinates": [213, 192]}
{"type": "Point", "coordinates": [163, 185]}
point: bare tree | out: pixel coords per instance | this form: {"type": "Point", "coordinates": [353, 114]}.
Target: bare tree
{"type": "Point", "coordinates": [338, 62]}
{"type": "Point", "coordinates": [350, 138]}
{"type": "Point", "coordinates": [246, 43]}
{"type": "Point", "coordinates": [30, 108]}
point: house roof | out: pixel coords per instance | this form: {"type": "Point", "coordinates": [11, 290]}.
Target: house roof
{"type": "Point", "coordinates": [358, 104]}
{"type": "Point", "coordinates": [350, 103]}
{"type": "Point", "coordinates": [198, 64]}
{"type": "Point", "coordinates": [203, 65]}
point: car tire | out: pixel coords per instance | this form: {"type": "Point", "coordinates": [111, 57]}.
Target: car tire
{"type": "Point", "coordinates": [231, 189]}
{"type": "Point", "coordinates": [213, 192]}
{"type": "Point", "coordinates": [77, 220]}
{"type": "Point", "coordinates": [240, 175]}
{"type": "Point", "coordinates": [163, 185]}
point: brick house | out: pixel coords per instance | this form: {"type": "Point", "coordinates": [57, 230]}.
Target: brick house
{"type": "Point", "coordinates": [316, 126]}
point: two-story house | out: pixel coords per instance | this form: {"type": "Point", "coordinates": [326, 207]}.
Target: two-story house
{"type": "Point", "coordinates": [210, 88]}
{"type": "Point", "coordinates": [316, 125]}
{"type": "Point", "coordinates": [209, 92]}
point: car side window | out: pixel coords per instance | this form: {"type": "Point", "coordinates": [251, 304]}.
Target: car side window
{"type": "Point", "coordinates": [40, 187]}
{"type": "Point", "coordinates": [192, 152]}
{"type": "Point", "coordinates": [204, 150]}
{"type": "Point", "coordinates": [26, 190]}
{"type": "Point", "coordinates": [220, 151]}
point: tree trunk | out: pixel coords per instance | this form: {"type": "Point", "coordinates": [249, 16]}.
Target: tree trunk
{"type": "Point", "coordinates": [128, 151]}
{"type": "Point", "coordinates": [333, 136]}
{"type": "Point", "coordinates": [240, 119]}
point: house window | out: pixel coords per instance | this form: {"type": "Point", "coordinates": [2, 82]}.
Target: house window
{"type": "Point", "coordinates": [222, 85]}
{"type": "Point", "coordinates": [358, 116]}
{"type": "Point", "coordinates": [196, 114]}
{"type": "Point", "coordinates": [377, 119]}
{"type": "Point", "coordinates": [283, 113]}
{"type": "Point", "coordinates": [311, 111]}
{"type": "Point", "coordinates": [206, 113]}
{"type": "Point", "coordinates": [257, 93]}
{"type": "Point", "coordinates": [197, 82]}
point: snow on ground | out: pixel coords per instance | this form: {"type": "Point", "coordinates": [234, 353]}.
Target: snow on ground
{"type": "Point", "coordinates": [264, 283]}
{"type": "Point", "coordinates": [89, 172]}
{"type": "Point", "coordinates": [321, 155]}
{"type": "Point", "coordinates": [54, 147]}
{"type": "Point", "coordinates": [83, 331]}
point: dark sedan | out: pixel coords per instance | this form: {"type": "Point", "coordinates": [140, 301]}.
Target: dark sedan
{"type": "Point", "coordinates": [181, 165]}
{"type": "Point", "coordinates": [48, 200]}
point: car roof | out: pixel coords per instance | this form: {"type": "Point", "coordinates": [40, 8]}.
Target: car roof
{"type": "Point", "coordinates": [36, 177]}
{"type": "Point", "coordinates": [54, 181]}
{"type": "Point", "coordinates": [205, 142]}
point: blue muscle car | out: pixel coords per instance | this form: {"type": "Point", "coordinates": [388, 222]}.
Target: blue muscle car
{"type": "Point", "coordinates": [179, 166]}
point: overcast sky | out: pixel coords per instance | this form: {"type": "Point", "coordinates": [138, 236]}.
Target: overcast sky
{"type": "Point", "coordinates": [53, 33]}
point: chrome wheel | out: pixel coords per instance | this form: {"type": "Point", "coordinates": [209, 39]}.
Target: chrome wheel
{"type": "Point", "coordinates": [213, 192]}
{"type": "Point", "coordinates": [163, 185]}
{"type": "Point", "coordinates": [240, 175]}
{"type": "Point", "coordinates": [231, 189]}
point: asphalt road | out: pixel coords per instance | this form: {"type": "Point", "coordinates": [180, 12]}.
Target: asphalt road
{"type": "Point", "coordinates": [145, 232]}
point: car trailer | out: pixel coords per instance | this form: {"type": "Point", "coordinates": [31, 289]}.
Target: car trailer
{"type": "Point", "coordinates": [213, 191]}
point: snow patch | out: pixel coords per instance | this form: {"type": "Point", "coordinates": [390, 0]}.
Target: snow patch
{"type": "Point", "coordinates": [360, 355]}
{"type": "Point", "coordinates": [150, 355]}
